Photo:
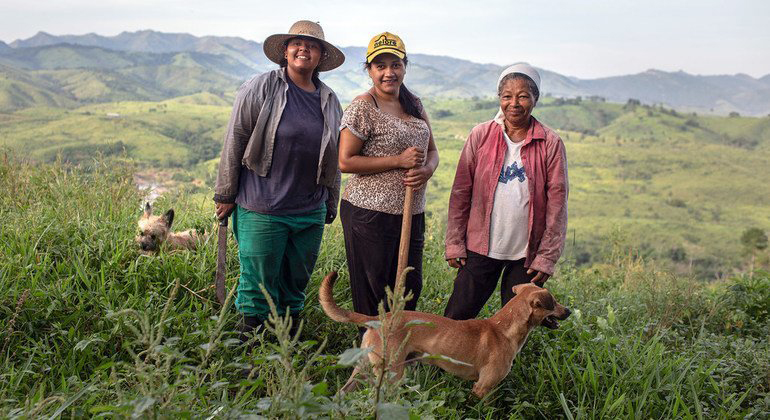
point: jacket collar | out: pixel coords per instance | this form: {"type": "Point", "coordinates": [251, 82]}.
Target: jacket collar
{"type": "Point", "coordinates": [535, 132]}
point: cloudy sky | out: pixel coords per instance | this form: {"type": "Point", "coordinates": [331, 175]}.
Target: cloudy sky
{"type": "Point", "coordinates": [583, 38]}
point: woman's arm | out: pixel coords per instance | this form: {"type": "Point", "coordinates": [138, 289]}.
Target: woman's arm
{"type": "Point", "coordinates": [333, 199]}
{"type": "Point", "coordinates": [557, 192]}
{"type": "Point", "coordinates": [351, 161]}
{"type": "Point", "coordinates": [243, 119]}
{"type": "Point", "coordinates": [460, 202]}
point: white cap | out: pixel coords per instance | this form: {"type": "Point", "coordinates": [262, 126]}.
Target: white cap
{"type": "Point", "coordinates": [522, 68]}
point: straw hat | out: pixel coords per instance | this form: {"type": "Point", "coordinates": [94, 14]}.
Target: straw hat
{"type": "Point", "coordinates": [274, 44]}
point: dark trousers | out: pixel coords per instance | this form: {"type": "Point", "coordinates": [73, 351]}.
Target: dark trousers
{"type": "Point", "coordinates": [371, 246]}
{"type": "Point", "coordinates": [476, 281]}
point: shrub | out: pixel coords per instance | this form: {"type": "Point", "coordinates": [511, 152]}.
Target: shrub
{"type": "Point", "coordinates": [443, 113]}
{"type": "Point", "coordinates": [676, 202]}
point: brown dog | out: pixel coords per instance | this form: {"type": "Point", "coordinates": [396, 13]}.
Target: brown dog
{"type": "Point", "coordinates": [486, 347]}
{"type": "Point", "coordinates": [156, 230]}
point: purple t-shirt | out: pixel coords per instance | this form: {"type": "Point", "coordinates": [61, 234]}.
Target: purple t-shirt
{"type": "Point", "coordinates": [290, 187]}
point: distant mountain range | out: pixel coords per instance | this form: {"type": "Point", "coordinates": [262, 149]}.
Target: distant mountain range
{"type": "Point", "coordinates": [148, 65]}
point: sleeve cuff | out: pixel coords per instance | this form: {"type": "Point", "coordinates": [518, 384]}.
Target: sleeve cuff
{"type": "Point", "coordinates": [455, 252]}
{"type": "Point", "coordinates": [225, 199]}
{"type": "Point", "coordinates": [354, 131]}
{"type": "Point", "coordinates": [543, 265]}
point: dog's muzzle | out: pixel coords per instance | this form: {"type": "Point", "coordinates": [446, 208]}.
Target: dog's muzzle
{"type": "Point", "coordinates": [148, 246]}
{"type": "Point", "coordinates": [552, 321]}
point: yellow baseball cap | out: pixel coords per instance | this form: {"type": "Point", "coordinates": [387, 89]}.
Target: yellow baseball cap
{"type": "Point", "coordinates": [385, 42]}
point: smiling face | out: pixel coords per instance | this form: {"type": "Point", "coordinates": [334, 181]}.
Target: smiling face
{"type": "Point", "coordinates": [517, 101]}
{"type": "Point", "coordinates": [387, 73]}
{"type": "Point", "coordinates": [303, 54]}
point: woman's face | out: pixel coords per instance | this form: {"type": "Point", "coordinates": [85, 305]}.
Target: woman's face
{"type": "Point", "coordinates": [517, 102]}
{"type": "Point", "coordinates": [387, 73]}
{"type": "Point", "coordinates": [302, 54]}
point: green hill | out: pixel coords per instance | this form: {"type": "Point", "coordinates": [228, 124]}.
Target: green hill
{"type": "Point", "coordinates": [141, 55]}
{"type": "Point", "coordinates": [172, 133]}
{"type": "Point", "coordinates": [20, 89]}
{"type": "Point", "coordinates": [72, 74]}
{"type": "Point", "coordinates": [677, 187]}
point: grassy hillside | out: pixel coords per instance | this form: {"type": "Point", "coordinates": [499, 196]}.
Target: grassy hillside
{"type": "Point", "coordinates": [89, 327]}
{"type": "Point", "coordinates": [669, 182]}
{"type": "Point", "coordinates": [19, 89]}
{"type": "Point", "coordinates": [82, 75]}
{"type": "Point", "coordinates": [172, 133]}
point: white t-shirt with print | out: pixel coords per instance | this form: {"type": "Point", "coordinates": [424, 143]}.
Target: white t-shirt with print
{"type": "Point", "coordinates": [508, 232]}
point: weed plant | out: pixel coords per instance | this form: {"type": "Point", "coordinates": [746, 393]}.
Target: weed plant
{"type": "Point", "coordinates": [89, 327]}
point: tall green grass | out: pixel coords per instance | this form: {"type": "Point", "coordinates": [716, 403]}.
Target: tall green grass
{"type": "Point", "coordinates": [90, 327]}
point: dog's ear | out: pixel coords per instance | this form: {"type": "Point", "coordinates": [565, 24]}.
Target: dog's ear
{"type": "Point", "coordinates": [518, 288]}
{"type": "Point", "coordinates": [169, 217]}
{"type": "Point", "coordinates": [544, 300]}
{"type": "Point", "coordinates": [147, 209]}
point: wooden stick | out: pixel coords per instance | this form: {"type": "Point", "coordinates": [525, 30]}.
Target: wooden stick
{"type": "Point", "coordinates": [406, 234]}
{"type": "Point", "coordinates": [195, 293]}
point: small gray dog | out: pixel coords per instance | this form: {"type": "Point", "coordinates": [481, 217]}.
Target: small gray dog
{"type": "Point", "coordinates": [156, 230]}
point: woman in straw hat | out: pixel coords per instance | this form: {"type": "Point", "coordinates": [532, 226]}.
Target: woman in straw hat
{"type": "Point", "coordinates": [284, 122]}
{"type": "Point", "coordinates": [387, 144]}
{"type": "Point", "coordinates": [508, 205]}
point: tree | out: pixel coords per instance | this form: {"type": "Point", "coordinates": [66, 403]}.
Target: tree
{"type": "Point", "coordinates": [677, 254]}
{"type": "Point", "coordinates": [632, 104]}
{"type": "Point", "coordinates": [753, 240]}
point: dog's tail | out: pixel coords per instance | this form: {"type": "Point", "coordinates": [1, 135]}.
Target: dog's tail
{"type": "Point", "coordinates": [326, 298]}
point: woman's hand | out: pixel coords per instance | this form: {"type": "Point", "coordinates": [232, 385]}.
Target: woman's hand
{"type": "Point", "coordinates": [417, 177]}
{"type": "Point", "coordinates": [456, 262]}
{"type": "Point", "coordinates": [224, 210]}
{"type": "Point", "coordinates": [540, 278]}
{"type": "Point", "coordinates": [411, 158]}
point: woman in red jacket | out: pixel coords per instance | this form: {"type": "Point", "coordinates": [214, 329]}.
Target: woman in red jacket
{"type": "Point", "coordinates": [508, 206]}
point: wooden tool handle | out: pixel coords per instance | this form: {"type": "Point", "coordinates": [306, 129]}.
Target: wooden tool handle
{"type": "Point", "coordinates": [406, 233]}
{"type": "Point", "coordinates": [219, 280]}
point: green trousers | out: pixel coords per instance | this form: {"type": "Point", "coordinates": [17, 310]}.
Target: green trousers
{"type": "Point", "coordinates": [278, 252]}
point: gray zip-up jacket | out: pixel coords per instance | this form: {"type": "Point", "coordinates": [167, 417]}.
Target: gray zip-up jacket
{"type": "Point", "coordinates": [250, 137]}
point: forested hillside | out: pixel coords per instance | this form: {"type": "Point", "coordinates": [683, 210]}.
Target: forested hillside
{"type": "Point", "coordinates": [150, 65]}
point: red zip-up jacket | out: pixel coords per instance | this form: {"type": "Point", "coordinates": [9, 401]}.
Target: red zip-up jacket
{"type": "Point", "coordinates": [473, 192]}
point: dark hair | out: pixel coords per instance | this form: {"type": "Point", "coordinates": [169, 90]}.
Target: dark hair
{"type": "Point", "coordinates": [519, 76]}
{"type": "Point", "coordinates": [408, 100]}
{"type": "Point", "coordinates": [284, 62]}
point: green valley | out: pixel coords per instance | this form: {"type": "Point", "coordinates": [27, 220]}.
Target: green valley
{"type": "Point", "coordinates": [679, 188]}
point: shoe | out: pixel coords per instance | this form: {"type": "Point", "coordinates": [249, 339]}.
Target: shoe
{"type": "Point", "coordinates": [248, 326]}
{"type": "Point", "coordinates": [295, 320]}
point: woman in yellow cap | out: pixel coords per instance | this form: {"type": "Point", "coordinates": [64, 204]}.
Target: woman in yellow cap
{"type": "Point", "coordinates": [387, 144]}
{"type": "Point", "coordinates": [283, 122]}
